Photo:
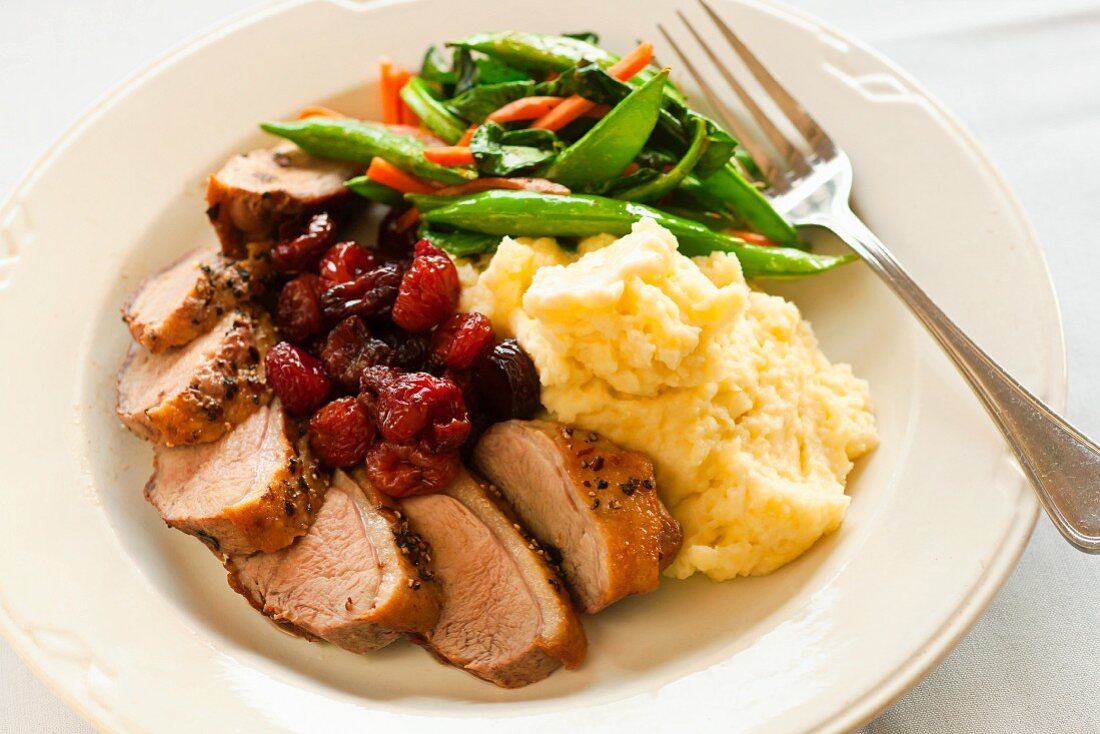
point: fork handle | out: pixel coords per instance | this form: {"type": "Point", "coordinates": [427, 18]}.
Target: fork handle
{"type": "Point", "coordinates": [1062, 464]}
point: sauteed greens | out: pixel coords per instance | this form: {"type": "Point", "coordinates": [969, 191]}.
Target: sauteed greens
{"type": "Point", "coordinates": [531, 134]}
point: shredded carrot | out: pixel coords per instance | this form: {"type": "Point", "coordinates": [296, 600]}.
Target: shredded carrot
{"type": "Point", "coordinates": [630, 169]}
{"type": "Point", "coordinates": [541, 185]}
{"type": "Point", "coordinates": [319, 111]}
{"type": "Point", "coordinates": [753, 238]}
{"type": "Point", "coordinates": [577, 106]}
{"type": "Point", "coordinates": [629, 65]}
{"type": "Point", "coordinates": [407, 220]}
{"type": "Point", "coordinates": [551, 76]}
{"type": "Point", "coordinates": [450, 155]}
{"type": "Point", "coordinates": [468, 135]}
{"type": "Point", "coordinates": [387, 174]}
{"type": "Point", "coordinates": [526, 108]}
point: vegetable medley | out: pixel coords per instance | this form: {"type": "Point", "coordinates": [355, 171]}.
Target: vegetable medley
{"type": "Point", "coordinates": [525, 134]}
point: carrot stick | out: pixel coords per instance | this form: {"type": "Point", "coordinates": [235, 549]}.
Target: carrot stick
{"type": "Point", "coordinates": [631, 168]}
{"type": "Point", "coordinates": [407, 220]}
{"type": "Point", "coordinates": [468, 135]}
{"type": "Point", "coordinates": [526, 108]}
{"type": "Point", "coordinates": [598, 111]}
{"type": "Point", "coordinates": [629, 65]}
{"type": "Point", "coordinates": [317, 110]}
{"type": "Point", "coordinates": [387, 174]}
{"type": "Point", "coordinates": [577, 106]}
{"type": "Point", "coordinates": [450, 155]}
{"type": "Point", "coordinates": [405, 115]}
{"type": "Point", "coordinates": [564, 113]}
{"type": "Point", "coordinates": [388, 90]}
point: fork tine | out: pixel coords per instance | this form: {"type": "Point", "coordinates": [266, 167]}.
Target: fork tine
{"type": "Point", "coordinates": [774, 177]}
{"type": "Point", "coordinates": [790, 153]}
{"type": "Point", "coordinates": [798, 116]}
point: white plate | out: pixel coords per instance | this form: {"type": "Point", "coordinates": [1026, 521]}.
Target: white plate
{"type": "Point", "coordinates": [134, 625]}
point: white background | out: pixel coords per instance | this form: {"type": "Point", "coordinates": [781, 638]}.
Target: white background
{"type": "Point", "coordinates": [1023, 76]}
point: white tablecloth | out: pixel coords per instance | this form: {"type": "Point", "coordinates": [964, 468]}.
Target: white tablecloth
{"type": "Point", "coordinates": [1023, 75]}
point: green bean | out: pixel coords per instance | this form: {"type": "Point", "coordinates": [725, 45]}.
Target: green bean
{"type": "Point", "coordinates": [375, 191]}
{"type": "Point", "coordinates": [672, 178]}
{"type": "Point", "coordinates": [609, 147]}
{"type": "Point", "coordinates": [437, 118]}
{"type": "Point", "coordinates": [526, 213]}
{"type": "Point", "coordinates": [359, 141]}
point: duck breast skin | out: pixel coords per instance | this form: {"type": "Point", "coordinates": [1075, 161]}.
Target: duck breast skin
{"type": "Point", "coordinates": [255, 192]}
{"type": "Point", "coordinates": [187, 298]}
{"type": "Point", "coordinates": [357, 579]}
{"type": "Point", "coordinates": [506, 616]}
{"type": "Point", "coordinates": [197, 393]}
{"type": "Point", "coordinates": [256, 489]}
{"type": "Point", "coordinates": [592, 501]}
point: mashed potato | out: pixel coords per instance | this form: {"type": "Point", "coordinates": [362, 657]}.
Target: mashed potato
{"type": "Point", "coordinates": [751, 429]}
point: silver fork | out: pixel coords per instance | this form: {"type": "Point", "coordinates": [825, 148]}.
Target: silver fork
{"type": "Point", "coordinates": [1062, 464]}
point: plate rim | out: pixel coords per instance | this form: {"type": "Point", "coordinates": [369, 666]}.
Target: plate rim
{"type": "Point", "coordinates": [910, 671]}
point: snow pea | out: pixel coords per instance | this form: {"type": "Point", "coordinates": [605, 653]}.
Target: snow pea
{"type": "Point", "coordinates": [609, 147]}
{"type": "Point", "coordinates": [541, 52]}
{"type": "Point", "coordinates": [526, 213]}
{"type": "Point", "coordinates": [437, 118]}
{"type": "Point", "coordinates": [666, 182]}
{"type": "Point", "coordinates": [749, 205]}
{"type": "Point", "coordinates": [344, 139]}
{"type": "Point", "coordinates": [375, 191]}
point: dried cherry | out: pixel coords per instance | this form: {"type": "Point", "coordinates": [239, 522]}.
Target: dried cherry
{"type": "Point", "coordinates": [401, 470]}
{"type": "Point", "coordinates": [429, 291]}
{"type": "Point", "coordinates": [349, 349]}
{"type": "Point", "coordinates": [341, 432]}
{"type": "Point", "coordinates": [297, 377]}
{"type": "Point", "coordinates": [298, 310]}
{"type": "Point", "coordinates": [371, 293]}
{"type": "Point", "coordinates": [507, 382]}
{"type": "Point", "coordinates": [420, 407]}
{"type": "Point", "coordinates": [461, 340]}
{"type": "Point", "coordinates": [391, 240]}
{"type": "Point", "coordinates": [346, 261]}
{"type": "Point", "coordinates": [299, 250]}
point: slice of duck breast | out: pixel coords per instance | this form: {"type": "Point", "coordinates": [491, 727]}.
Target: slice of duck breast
{"type": "Point", "coordinates": [255, 192]}
{"type": "Point", "coordinates": [355, 579]}
{"type": "Point", "coordinates": [187, 298]}
{"type": "Point", "coordinates": [256, 489]}
{"type": "Point", "coordinates": [589, 499]}
{"type": "Point", "coordinates": [506, 616]}
{"type": "Point", "coordinates": [196, 393]}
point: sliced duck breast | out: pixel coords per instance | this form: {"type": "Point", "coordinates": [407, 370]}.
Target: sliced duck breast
{"type": "Point", "coordinates": [186, 299]}
{"type": "Point", "coordinates": [256, 489]}
{"type": "Point", "coordinates": [595, 503]}
{"type": "Point", "coordinates": [356, 579]}
{"type": "Point", "coordinates": [198, 392]}
{"type": "Point", "coordinates": [506, 616]}
{"type": "Point", "coordinates": [255, 192]}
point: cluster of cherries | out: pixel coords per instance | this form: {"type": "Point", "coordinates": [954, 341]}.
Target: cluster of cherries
{"type": "Point", "coordinates": [375, 354]}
